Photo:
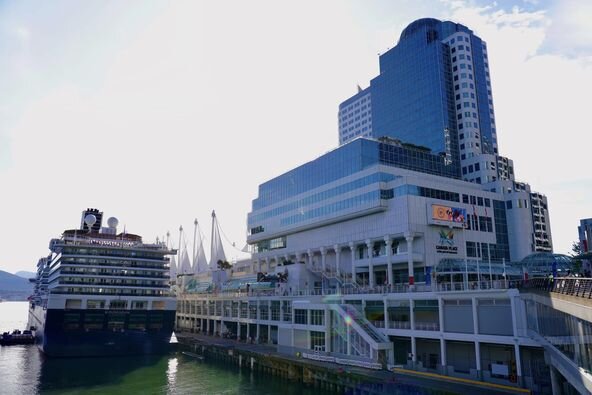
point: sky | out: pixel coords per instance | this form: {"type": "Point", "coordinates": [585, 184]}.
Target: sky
{"type": "Point", "coordinates": [158, 112]}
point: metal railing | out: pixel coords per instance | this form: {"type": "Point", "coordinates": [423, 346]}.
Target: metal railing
{"type": "Point", "coordinates": [286, 290]}
{"type": "Point", "coordinates": [573, 286]}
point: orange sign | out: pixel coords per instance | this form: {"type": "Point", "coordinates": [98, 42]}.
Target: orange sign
{"type": "Point", "coordinates": [448, 214]}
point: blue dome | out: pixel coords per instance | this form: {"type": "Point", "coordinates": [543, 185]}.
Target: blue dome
{"type": "Point", "coordinates": [413, 26]}
{"type": "Point", "coordinates": [542, 263]}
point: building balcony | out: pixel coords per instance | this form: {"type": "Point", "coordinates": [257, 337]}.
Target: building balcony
{"type": "Point", "coordinates": [399, 325]}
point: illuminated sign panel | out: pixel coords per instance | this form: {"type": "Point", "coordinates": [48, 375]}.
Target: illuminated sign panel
{"type": "Point", "coordinates": [448, 214]}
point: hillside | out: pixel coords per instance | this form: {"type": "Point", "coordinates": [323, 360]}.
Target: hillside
{"type": "Point", "coordinates": [13, 287]}
{"type": "Point", "coordinates": [25, 274]}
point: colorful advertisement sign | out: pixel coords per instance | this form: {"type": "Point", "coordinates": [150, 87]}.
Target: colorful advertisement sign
{"type": "Point", "coordinates": [446, 244]}
{"type": "Point", "coordinates": [448, 214]}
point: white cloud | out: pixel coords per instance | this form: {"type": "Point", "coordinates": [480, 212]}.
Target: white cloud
{"type": "Point", "coordinates": [541, 109]}
{"type": "Point", "coordinates": [569, 33]}
{"type": "Point", "coordinates": [160, 114]}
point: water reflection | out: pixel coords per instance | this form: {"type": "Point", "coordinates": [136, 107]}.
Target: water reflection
{"type": "Point", "coordinates": [172, 373]}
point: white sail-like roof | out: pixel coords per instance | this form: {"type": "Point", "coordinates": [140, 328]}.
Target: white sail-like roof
{"type": "Point", "coordinates": [185, 264]}
{"type": "Point", "coordinates": [200, 263]}
{"type": "Point", "coordinates": [217, 251]}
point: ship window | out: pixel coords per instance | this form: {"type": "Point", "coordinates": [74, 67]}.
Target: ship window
{"type": "Point", "coordinates": [95, 304]}
{"type": "Point", "coordinates": [137, 321]}
{"type": "Point", "coordinates": [139, 305]}
{"type": "Point", "coordinates": [118, 304]}
{"type": "Point", "coordinates": [116, 321]}
{"type": "Point", "coordinates": [73, 304]}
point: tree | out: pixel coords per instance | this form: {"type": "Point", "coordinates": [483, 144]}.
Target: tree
{"type": "Point", "coordinates": [576, 248]}
{"type": "Point", "coordinates": [223, 265]}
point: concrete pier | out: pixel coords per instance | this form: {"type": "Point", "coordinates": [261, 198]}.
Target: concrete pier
{"type": "Point", "coordinates": [329, 377]}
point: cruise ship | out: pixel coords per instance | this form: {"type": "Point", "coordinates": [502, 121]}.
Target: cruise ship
{"type": "Point", "coordinates": [102, 293]}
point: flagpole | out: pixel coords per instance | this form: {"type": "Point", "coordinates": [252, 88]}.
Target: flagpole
{"type": "Point", "coordinates": [505, 275]}
{"type": "Point", "coordinates": [490, 274]}
{"type": "Point", "coordinates": [478, 274]}
{"type": "Point", "coordinates": [466, 281]}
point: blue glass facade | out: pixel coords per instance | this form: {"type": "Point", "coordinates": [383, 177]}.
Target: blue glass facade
{"type": "Point", "coordinates": [488, 140]}
{"type": "Point", "coordinates": [347, 160]}
{"type": "Point", "coordinates": [415, 98]}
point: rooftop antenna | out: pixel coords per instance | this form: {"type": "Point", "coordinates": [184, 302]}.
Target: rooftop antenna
{"type": "Point", "coordinates": [168, 235]}
{"type": "Point", "coordinates": [90, 220]}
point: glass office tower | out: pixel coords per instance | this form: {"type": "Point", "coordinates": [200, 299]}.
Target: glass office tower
{"type": "Point", "coordinates": [433, 90]}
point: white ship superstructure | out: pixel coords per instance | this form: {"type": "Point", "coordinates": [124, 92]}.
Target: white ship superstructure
{"type": "Point", "coordinates": [103, 293]}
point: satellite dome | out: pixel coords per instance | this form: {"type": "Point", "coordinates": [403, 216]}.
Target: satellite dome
{"type": "Point", "coordinates": [113, 222]}
{"type": "Point", "coordinates": [90, 220]}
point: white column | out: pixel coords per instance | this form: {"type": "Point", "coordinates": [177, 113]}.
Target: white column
{"type": "Point", "coordinates": [238, 328]}
{"type": "Point", "coordinates": [257, 333]}
{"type": "Point", "coordinates": [337, 249]}
{"type": "Point", "coordinates": [370, 265]}
{"type": "Point", "coordinates": [258, 265]}
{"type": "Point", "coordinates": [248, 331]}
{"type": "Point", "coordinates": [514, 315]}
{"type": "Point", "coordinates": [269, 334]}
{"type": "Point", "coordinates": [277, 261]}
{"type": "Point", "coordinates": [443, 355]}
{"type": "Point", "coordinates": [409, 239]}
{"type": "Point", "coordinates": [385, 304]}
{"type": "Point", "coordinates": [389, 263]}
{"type": "Point", "coordinates": [268, 264]}
{"type": "Point", "coordinates": [413, 350]}
{"type": "Point", "coordinates": [441, 314]}
{"type": "Point", "coordinates": [478, 359]}
{"type": "Point", "coordinates": [309, 252]}
{"type": "Point", "coordinates": [353, 261]}
{"type": "Point", "coordinates": [327, 319]}
{"type": "Point", "coordinates": [518, 363]}
{"type": "Point", "coordinates": [475, 319]}
{"type": "Point", "coordinates": [323, 267]}
{"type": "Point", "coordinates": [411, 314]}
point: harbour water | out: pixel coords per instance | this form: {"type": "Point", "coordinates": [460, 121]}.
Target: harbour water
{"type": "Point", "coordinates": [24, 370]}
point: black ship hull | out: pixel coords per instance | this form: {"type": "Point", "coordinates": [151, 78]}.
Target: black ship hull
{"type": "Point", "coordinates": [85, 333]}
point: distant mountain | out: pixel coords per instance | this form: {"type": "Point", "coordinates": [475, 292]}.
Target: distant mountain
{"type": "Point", "coordinates": [10, 283]}
{"type": "Point", "coordinates": [25, 274]}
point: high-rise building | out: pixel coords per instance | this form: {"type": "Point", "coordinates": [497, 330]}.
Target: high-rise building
{"type": "Point", "coordinates": [433, 90]}
{"type": "Point", "coordinates": [585, 234]}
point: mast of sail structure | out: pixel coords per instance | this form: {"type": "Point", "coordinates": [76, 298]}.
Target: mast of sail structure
{"type": "Point", "coordinates": [194, 242]}
{"type": "Point", "coordinates": [179, 257]}
{"type": "Point", "coordinates": [217, 250]}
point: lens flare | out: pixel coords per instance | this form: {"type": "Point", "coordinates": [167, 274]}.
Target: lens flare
{"type": "Point", "coordinates": [348, 320]}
